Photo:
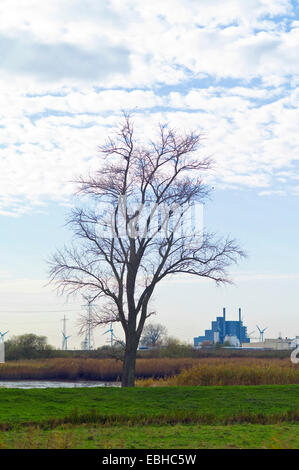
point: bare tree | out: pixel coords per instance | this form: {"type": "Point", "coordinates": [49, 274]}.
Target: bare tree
{"type": "Point", "coordinates": [153, 333]}
{"type": "Point", "coordinates": [130, 230]}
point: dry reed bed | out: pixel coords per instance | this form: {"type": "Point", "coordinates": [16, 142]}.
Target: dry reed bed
{"type": "Point", "coordinates": [159, 371]}
{"type": "Point", "coordinates": [89, 369]}
{"type": "Point", "coordinates": [232, 372]}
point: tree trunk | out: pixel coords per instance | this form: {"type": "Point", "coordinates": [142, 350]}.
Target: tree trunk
{"type": "Point", "coordinates": [128, 375]}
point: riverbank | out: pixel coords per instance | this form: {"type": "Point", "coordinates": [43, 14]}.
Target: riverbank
{"type": "Point", "coordinates": [162, 417]}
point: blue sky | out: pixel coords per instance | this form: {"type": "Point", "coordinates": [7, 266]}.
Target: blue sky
{"type": "Point", "coordinates": [229, 68]}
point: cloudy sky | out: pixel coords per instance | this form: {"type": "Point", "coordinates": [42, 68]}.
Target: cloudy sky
{"type": "Point", "coordinates": [229, 68]}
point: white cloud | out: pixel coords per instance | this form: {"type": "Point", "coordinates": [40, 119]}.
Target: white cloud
{"type": "Point", "coordinates": [70, 67]}
{"type": "Point", "coordinates": [272, 193]}
{"type": "Point", "coordinates": [159, 35]}
{"type": "Point", "coordinates": [54, 62]}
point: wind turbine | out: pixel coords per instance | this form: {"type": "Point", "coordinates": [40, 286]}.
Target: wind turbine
{"type": "Point", "coordinates": [111, 334]}
{"type": "Point", "coordinates": [64, 342]}
{"type": "Point", "coordinates": [2, 336]}
{"type": "Point", "coordinates": [261, 333]}
{"type": "Point", "coordinates": [64, 335]}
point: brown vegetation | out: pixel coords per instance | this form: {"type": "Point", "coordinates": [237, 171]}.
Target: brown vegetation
{"type": "Point", "coordinates": [89, 369]}
{"type": "Point", "coordinates": [159, 371]}
{"type": "Point", "coordinates": [237, 371]}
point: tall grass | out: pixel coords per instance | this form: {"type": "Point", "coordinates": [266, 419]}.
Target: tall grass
{"type": "Point", "coordinates": [232, 372]}
{"type": "Point", "coordinates": [159, 371]}
{"type": "Point", "coordinates": [89, 369]}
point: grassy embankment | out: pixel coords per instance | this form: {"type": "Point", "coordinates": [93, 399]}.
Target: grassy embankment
{"type": "Point", "coordinates": [162, 417]}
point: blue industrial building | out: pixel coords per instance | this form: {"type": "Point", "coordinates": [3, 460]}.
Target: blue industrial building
{"type": "Point", "coordinates": [221, 329]}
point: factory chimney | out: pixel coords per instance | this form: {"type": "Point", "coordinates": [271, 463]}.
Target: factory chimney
{"type": "Point", "coordinates": [240, 323]}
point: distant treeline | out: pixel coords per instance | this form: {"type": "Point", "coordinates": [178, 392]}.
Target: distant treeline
{"type": "Point", "coordinates": [30, 346]}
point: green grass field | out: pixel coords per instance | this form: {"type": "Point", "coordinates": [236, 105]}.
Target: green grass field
{"type": "Point", "coordinates": [179, 436]}
{"type": "Point", "coordinates": [166, 417]}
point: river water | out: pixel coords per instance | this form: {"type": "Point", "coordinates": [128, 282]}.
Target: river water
{"type": "Point", "coordinates": [54, 384]}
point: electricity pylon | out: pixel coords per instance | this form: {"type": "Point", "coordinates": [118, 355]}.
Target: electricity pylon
{"type": "Point", "coordinates": [88, 342]}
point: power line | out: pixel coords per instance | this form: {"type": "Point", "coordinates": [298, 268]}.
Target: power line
{"type": "Point", "coordinates": [38, 311]}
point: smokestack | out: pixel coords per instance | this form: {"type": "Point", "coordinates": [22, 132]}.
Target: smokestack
{"type": "Point", "coordinates": [224, 323]}
{"type": "Point", "coordinates": [240, 328]}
